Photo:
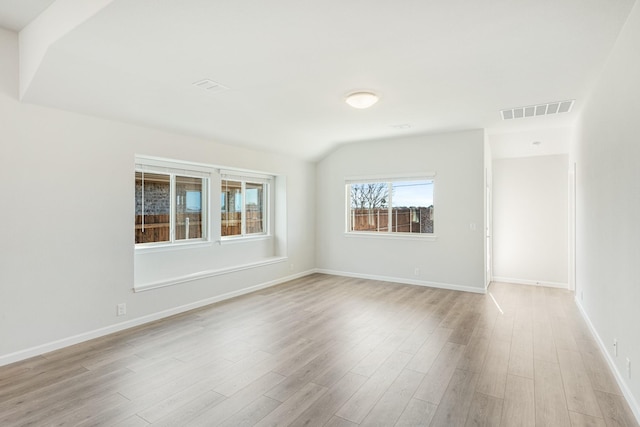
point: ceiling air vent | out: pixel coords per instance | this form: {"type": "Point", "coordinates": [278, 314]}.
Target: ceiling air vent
{"type": "Point", "coordinates": [210, 86]}
{"type": "Point", "coordinates": [537, 110]}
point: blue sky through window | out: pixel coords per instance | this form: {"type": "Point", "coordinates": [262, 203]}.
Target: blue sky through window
{"type": "Point", "coordinates": [194, 201]}
{"type": "Point", "coordinates": [412, 193]}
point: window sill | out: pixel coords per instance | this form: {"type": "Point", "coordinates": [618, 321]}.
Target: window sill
{"type": "Point", "coordinates": [207, 273]}
{"type": "Point", "coordinates": [392, 236]}
{"type": "Point", "coordinates": [162, 247]}
{"type": "Point", "coordinates": [243, 239]}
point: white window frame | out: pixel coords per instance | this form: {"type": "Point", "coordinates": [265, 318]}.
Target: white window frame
{"type": "Point", "coordinates": [174, 169]}
{"type": "Point", "coordinates": [389, 180]}
{"type": "Point", "coordinates": [251, 178]}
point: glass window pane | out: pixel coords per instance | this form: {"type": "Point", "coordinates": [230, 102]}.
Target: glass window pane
{"type": "Point", "coordinates": [412, 206]}
{"type": "Point", "coordinates": [153, 208]}
{"type": "Point", "coordinates": [231, 208]}
{"type": "Point", "coordinates": [189, 214]}
{"type": "Point", "coordinates": [254, 207]}
{"type": "Point", "coordinates": [369, 207]}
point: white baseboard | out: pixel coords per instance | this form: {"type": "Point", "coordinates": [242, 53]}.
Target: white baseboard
{"type": "Point", "coordinates": [531, 282]}
{"type": "Point", "coordinates": [86, 336]}
{"type": "Point", "coordinates": [479, 290]}
{"type": "Point", "coordinates": [633, 403]}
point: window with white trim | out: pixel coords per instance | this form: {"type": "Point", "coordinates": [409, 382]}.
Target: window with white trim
{"type": "Point", "coordinates": [244, 201]}
{"type": "Point", "coordinates": [391, 206]}
{"type": "Point", "coordinates": [171, 204]}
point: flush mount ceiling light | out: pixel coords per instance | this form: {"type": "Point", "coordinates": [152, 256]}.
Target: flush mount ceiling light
{"type": "Point", "coordinates": [361, 99]}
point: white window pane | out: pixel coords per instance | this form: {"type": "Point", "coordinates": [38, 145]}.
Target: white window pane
{"type": "Point", "coordinates": [231, 208]}
{"type": "Point", "coordinates": [153, 208]}
{"type": "Point", "coordinates": [391, 206]}
{"type": "Point", "coordinates": [254, 207]}
{"type": "Point", "coordinates": [369, 206]}
{"type": "Point", "coordinates": [189, 214]}
{"type": "Point", "coordinates": [412, 206]}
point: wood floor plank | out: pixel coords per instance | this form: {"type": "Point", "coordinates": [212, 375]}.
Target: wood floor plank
{"type": "Point", "coordinates": [323, 409]}
{"type": "Point", "coordinates": [227, 408]}
{"type": "Point", "coordinates": [615, 410]}
{"type": "Point", "coordinates": [544, 347]}
{"type": "Point", "coordinates": [581, 420]}
{"type": "Point", "coordinates": [485, 411]}
{"type": "Point", "coordinates": [133, 421]}
{"type": "Point", "coordinates": [115, 414]}
{"type": "Point", "coordinates": [61, 398]}
{"type": "Point", "coordinates": [367, 396]}
{"type": "Point", "coordinates": [503, 329]}
{"type": "Point", "coordinates": [521, 355]}
{"type": "Point", "coordinates": [79, 415]}
{"type": "Point", "coordinates": [599, 374]}
{"type": "Point", "coordinates": [417, 413]}
{"type": "Point", "coordinates": [519, 407]}
{"type": "Point", "coordinates": [456, 402]}
{"type": "Point", "coordinates": [330, 350]}
{"type": "Point", "coordinates": [377, 357]}
{"type": "Point", "coordinates": [475, 352]}
{"type": "Point", "coordinates": [562, 335]}
{"type": "Point", "coordinates": [416, 339]}
{"type": "Point", "coordinates": [252, 413]}
{"type": "Point", "coordinates": [493, 377]}
{"type": "Point", "coordinates": [250, 373]}
{"type": "Point", "coordinates": [181, 397]}
{"type": "Point", "coordinates": [551, 404]}
{"type": "Point", "coordinates": [577, 387]}
{"type": "Point", "coordinates": [464, 329]}
{"type": "Point", "coordinates": [435, 382]}
{"type": "Point", "coordinates": [393, 402]}
{"type": "Point", "coordinates": [307, 373]}
{"type": "Point", "coordinates": [424, 358]}
{"type": "Point", "coordinates": [288, 411]}
{"type": "Point", "coordinates": [333, 373]}
{"type": "Point", "coordinates": [339, 422]}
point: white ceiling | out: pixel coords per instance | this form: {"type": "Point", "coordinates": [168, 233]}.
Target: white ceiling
{"type": "Point", "coordinates": [16, 14]}
{"type": "Point", "coordinates": [437, 66]}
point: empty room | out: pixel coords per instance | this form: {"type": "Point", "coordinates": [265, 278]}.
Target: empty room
{"type": "Point", "coordinates": [336, 213]}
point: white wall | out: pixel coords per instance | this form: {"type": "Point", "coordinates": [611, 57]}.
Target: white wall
{"type": "Point", "coordinates": [67, 255]}
{"type": "Point", "coordinates": [456, 258]}
{"type": "Point", "coordinates": [607, 156]}
{"type": "Point", "coordinates": [530, 220]}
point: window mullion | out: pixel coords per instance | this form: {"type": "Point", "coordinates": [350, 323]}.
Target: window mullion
{"type": "Point", "coordinates": [243, 207]}
{"type": "Point", "coordinates": [264, 208]}
{"type": "Point", "coordinates": [389, 208]}
{"type": "Point", "coordinates": [205, 219]}
{"type": "Point", "coordinates": [172, 209]}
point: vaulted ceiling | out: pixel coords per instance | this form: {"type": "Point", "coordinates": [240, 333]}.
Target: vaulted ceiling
{"type": "Point", "coordinates": [284, 67]}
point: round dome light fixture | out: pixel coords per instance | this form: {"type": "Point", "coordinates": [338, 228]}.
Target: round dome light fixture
{"type": "Point", "coordinates": [361, 99]}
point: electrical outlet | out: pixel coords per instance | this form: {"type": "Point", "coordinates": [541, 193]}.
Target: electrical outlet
{"type": "Point", "coordinates": [416, 271]}
{"type": "Point", "coordinates": [628, 368]}
{"type": "Point", "coordinates": [122, 309]}
{"type": "Point", "coordinates": [291, 267]}
{"type": "Point", "coordinates": [615, 347]}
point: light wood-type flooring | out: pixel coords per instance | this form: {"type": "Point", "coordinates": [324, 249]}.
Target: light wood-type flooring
{"type": "Point", "coordinates": [333, 351]}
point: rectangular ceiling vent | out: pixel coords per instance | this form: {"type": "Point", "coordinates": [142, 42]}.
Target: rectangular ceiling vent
{"type": "Point", "coordinates": [537, 110]}
{"type": "Point", "coordinates": [210, 86]}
